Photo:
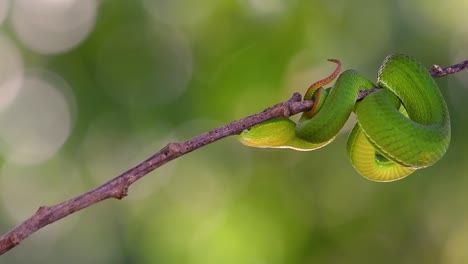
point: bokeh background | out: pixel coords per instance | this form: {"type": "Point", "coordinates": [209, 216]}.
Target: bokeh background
{"type": "Point", "coordinates": [89, 88]}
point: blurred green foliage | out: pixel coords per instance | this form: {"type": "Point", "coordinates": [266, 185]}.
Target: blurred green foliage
{"type": "Point", "coordinates": [150, 72]}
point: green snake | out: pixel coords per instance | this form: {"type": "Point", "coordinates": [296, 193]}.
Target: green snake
{"type": "Point", "coordinates": [402, 126]}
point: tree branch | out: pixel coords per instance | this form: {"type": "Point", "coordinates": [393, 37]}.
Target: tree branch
{"type": "Point", "coordinates": [117, 187]}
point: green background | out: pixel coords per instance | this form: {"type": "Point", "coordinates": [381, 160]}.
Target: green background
{"type": "Point", "coordinates": [151, 72]}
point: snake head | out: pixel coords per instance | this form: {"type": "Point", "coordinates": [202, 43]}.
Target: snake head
{"type": "Point", "coordinates": [277, 133]}
{"type": "Point", "coordinates": [273, 133]}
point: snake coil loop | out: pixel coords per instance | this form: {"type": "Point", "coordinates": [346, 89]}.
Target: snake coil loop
{"type": "Point", "coordinates": [402, 127]}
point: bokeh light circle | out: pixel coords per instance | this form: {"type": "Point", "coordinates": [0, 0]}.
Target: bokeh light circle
{"type": "Point", "coordinates": [51, 26]}
{"type": "Point", "coordinates": [38, 122]}
{"type": "Point", "coordinates": [112, 145]}
{"type": "Point", "coordinates": [266, 7]}
{"type": "Point", "coordinates": [145, 69]}
{"type": "Point", "coordinates": [180, 12]}
{"type": "Point", "coordinates": [11, 71]}
{"type": "Point", "coordinates": [207, 181]}
{"type": "Point", "coordinates": [52, 181]}
{"type": "Point", "coordinates": [24, 188]}
{"type": "Point", "coordinates": [4, 8]}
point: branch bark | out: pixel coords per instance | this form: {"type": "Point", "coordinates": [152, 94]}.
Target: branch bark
{"type": "Point", "coordinates": [117, 187]}
{"type": "Point", "coordinates": [437, 71]}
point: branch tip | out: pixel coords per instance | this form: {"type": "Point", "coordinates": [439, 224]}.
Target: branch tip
{"type": "Point", "coordinates": [436, 69]}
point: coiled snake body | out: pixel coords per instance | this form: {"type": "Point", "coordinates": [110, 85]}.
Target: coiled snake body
{"type": "Point", "coordinates": [401, 127]}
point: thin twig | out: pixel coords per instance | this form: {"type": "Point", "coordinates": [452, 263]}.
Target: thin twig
{"type": "Point", "coordinates": [437, 71]}
{"type": "Point", "coordinates": [117, 187]}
